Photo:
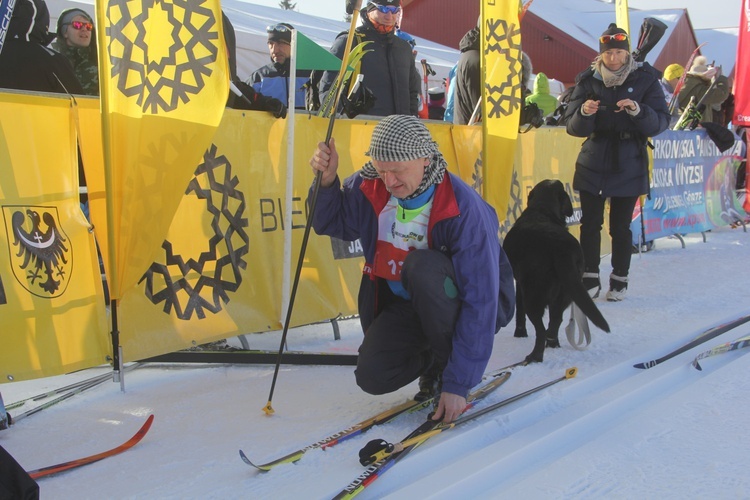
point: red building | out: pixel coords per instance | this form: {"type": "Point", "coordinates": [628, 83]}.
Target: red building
{"type": "Point", "coordinates": [560, 36]}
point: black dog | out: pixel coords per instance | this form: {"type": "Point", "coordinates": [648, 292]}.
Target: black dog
{"type": "Point", "coordinates": [547, 264]}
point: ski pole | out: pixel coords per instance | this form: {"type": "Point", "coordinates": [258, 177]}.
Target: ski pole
{"type": "Point", "coordinates": [268, 408]}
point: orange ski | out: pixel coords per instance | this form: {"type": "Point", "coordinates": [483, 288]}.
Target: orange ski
{"type": "Point", "coordinates": [73, 464]}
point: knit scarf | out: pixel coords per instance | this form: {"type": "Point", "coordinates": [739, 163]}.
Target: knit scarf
{"type": "Point", "coordinates": [614, 78]}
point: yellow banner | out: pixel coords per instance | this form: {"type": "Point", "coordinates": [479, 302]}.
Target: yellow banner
{"type": "Point", "coordinates": [52, 316]}
{"type": "Point", "coordinates": [622, 18]}
{"type": "Point", "coordinates": [164, 84]}
{"type": "Point", "coordinates": [501, 96]}
{"type": "Point", "coordinates": [220, 270]}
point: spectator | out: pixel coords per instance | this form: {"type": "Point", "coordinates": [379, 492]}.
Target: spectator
{"type": "Point", "coordinates": [250, 99]}
{"type": "Point", "coordinates": [468, 80]}
{"type": "Point", "coordinates": [541, 95]}
{"type": "Point", "coordinates": [272, 80]}
{"type": "Point", "coordinates": [672, 75]}
{"type": "Point", "coordinates": [617, 106]}
{"type": "Point", "coordinates": [389, 69]}
{"type": "Point", "coordinates": [435, 316]}
{"type": "Point", "coordinates": [450, 99]}
{"type": "Point", "coordinates": [25, 61]}
{"type": "Point", "coordinates": [436, 103]}
{"type": "Point", "coordinates": [76, 40]}
{"type": "Point", "coordinates": [697, 83]}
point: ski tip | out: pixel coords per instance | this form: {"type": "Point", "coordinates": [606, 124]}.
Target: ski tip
{"type": "Point", "coordinates": [268, 409]}
{"type": "Point", "coordinates": [571, 372]}
{"type": "Point", "coordinates": [248, 462]}
{"type": "Point", "coordinates": [697, 366]}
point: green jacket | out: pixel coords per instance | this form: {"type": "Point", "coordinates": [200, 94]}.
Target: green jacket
{"type": "Point", "coordinates": [84, 64]}
{"type": "Point", "coordinates": [696, 87]}
{"type": "Point", "coordinates": [541, 95]}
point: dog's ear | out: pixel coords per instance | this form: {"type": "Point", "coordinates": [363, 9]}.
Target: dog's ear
{"type": "Point", "coordinates": [566, 206]}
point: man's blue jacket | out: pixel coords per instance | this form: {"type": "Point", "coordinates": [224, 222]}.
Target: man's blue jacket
{"type": "Point", "coordinates": [463, 227]}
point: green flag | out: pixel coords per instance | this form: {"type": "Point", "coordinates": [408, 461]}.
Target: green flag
{"type": "Point", "coordinates": [310, 55]}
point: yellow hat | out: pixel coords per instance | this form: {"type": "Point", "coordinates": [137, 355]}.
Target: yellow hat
{"type": "Point", "coordinates": [673, 71]}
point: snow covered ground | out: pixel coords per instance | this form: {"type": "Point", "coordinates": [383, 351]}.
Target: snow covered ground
{"type": "Point", "coordinates": [612, 432]}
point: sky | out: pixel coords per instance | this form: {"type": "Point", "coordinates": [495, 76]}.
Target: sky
{"type": "Point", "coordinates": [703, 14]}
{"type": "Point", "coordinates": [613, 431]}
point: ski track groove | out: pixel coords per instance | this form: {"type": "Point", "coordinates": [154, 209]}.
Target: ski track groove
{"type": "Point", "coordinates": [552, 424]}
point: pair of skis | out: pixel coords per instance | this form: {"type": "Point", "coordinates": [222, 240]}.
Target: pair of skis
{"type": "Point", "coordinates": [62, 394]}
{"type": "Point", "coordinates": [700, 339]}
{"type": "Point", "coordinates": [381, 460]}
{"type": "Point", "coordinates": [361, 427]}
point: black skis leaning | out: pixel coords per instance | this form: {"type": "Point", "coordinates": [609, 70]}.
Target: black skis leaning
{"type": "Point", "coordinates": [700, 339]}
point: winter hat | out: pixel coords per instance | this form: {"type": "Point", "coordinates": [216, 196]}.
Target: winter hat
{"type": "Point", "coordinates": [405, 138]}
{"type": "Point", "coordinates": [371, 4]}
{"type": "Point", "coordinates": [673, 71]}
{"type": "Point", "coordinates": [401, 138]}
{"type": "Point", "coordinates": [700, 68]}
{"type": "Point", "coordinates": [30, 22]}
{"type": "Point", "coordinates": [436, 96]}
{"type": "Point", "coordinates": [66, 17]}
{"type": "Point", "coordinates": [281, 32]}
{"type": "Point", "coordinates": [613, 38]}
{"type": "Point", "coordinates": [700, 65]}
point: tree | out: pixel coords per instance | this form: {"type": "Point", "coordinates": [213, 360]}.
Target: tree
{"type": "Point", "coordinates": [287, 5]}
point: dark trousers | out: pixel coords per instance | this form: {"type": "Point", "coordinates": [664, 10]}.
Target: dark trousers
{"type": "Point", "coordinates": [15, 483]}
{"type": "Point", "coordinates": [407, 336]}
{"type": "Point", "coordinates": [592, 218]}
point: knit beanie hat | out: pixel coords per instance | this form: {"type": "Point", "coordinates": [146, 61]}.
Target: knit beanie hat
{"type": "Point", "coordinates": [281, 32]}
{"type": "Point", "coordinates": [700, 65]}
{"type": "Point", "coordinates": [66, 17]}
{"type": "Point", "coordinates": [673, 71]}
{"type": "Point", "coordinates": [613, 38]}
{"type": "Point", "coordinates": [700, 68]}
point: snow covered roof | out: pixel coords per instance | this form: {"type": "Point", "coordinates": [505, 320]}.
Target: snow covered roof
{"type": "Point", "coordinates": [721, 46]}
{"type": "Point", "coordinates": [585, 20]}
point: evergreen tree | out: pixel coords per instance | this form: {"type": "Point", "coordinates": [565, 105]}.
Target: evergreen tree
{"type": "Point", "coordinates": [287, 5]}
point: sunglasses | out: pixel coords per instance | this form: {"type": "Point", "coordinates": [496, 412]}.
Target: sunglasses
{"type": "Point", "coordinates": [617, 37]}
{"type": "Point", "coordinates": [278, 28]}
{"type": "Point", "coordinates": [388, 9]}
{"type": "Point", "coordinates": [79, 25]}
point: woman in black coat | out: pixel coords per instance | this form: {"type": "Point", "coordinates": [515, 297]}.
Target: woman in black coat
{"type": "Point", "coordinates": [617, 106]}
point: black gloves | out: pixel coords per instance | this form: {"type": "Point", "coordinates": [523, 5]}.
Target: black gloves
{"type": "Point", "coordinates": [273, 106]}
{"type": "Point", "coordinates": [360, 103]}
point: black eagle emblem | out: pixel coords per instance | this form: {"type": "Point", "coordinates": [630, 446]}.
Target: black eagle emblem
{"type": "Point", "coordinates": [43, 252]}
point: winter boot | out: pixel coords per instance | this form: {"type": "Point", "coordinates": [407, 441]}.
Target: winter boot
{"type": "Point", "coordinates": [618, 285]}
{"type": "Point", "coordinates": [592, 284]}
{"type": "Point", "coordinates": [430, 383]}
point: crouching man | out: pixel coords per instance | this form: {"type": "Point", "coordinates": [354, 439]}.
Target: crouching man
{"type": "Point", "coordinates": [436, 285]}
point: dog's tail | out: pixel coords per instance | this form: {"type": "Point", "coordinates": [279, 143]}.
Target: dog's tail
{"type": "Point", "coordinates": [574, 286]}
{"type": "Point", "coordinates": [583, 300]}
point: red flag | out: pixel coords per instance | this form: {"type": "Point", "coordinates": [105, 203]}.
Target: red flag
{"type": "Point", "coordinates": [742, 70]}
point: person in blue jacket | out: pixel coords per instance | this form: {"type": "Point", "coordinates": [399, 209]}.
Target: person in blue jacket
{"type": "Point", "coordinates": [272, 80]}
{"type": "Point", "coordinates": [436, 284]}
{"type": "Point", "coordinates": [617, 105]}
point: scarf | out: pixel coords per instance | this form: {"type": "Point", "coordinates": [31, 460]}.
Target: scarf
{"type": "Point", "coordinates": [614, 78]}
